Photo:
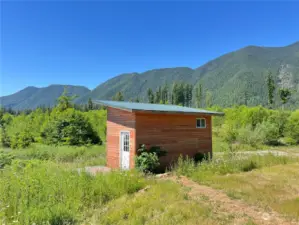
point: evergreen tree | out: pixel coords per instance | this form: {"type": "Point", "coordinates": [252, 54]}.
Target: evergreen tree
{"type": "Point", "coordinates": [158, 95]}
{"type": "Point", "coordinates": [90, 104]}
{"type": "Point", "coordinates": [118, 97]}
{"type": "Point", "coordinates": [208, 99]}
{"type": "Point", "coordinates": [271, 89]}
{"type": "Point", "coordinates": [65, 101]}
{"type": "Point", "coordinates": [198, 93]}
{"type": "Point", "coordinates": [190, 95]}
{"type": "Point", "coordinates": [181, 96]}
{"type": "Point", "coordinates": [85, 108]}
{"type": "Point", "coordinates": [165, 94]}
{"type": "Point", "coordinates": [150, 96]}
{"type": "Point", "coordinates": [245, 97]}
{"type": "Point", "coordinates": [169, 96]}
{"type": "Point", "coordinates": [175, 96]}
{"type": "Point", "coordinates": [185, 93]}
{"type": "Point", "coordinates": [284, 94]}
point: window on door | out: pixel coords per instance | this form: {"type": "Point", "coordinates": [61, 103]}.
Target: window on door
{"type": "Point", "coordinates": [126, 143]}
{"type": "Point", "coordinates": [201, 123]}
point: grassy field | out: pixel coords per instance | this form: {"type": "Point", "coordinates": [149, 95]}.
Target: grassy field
{"type": "Point", "coordinates": [257, 181]}
{"type": "Point", "coordinates": [165, 202]}
{"type": "Point", "coordinates": [268, 181]}
{"type": "Point", "coordinates": [44, 192]}
{"type": "Point", "coordinates": [40, 185]}
{"type": "Point", "coordinates": [70, 156]}
{"type": "Point", "coordinates": [276, 187]}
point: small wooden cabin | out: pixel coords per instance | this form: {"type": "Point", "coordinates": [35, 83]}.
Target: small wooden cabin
{"type": "Point", "coordinates": [178, 130]}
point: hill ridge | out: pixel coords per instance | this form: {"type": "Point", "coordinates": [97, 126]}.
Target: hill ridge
{"type": "Point", "coordinates": [226, 77]}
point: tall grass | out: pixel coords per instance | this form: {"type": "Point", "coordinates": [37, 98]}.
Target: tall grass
{"type": "Point", "coordinates": [80, 156]}
{"type": "Point", "coordinates": [43, 192]}
{"type": "Point", "coordinates": [229, 164]}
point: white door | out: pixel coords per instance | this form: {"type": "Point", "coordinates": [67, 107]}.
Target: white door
{"type": "Point", "coordinates": [125, 150]}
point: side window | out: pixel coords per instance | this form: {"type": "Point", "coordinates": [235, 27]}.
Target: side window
{"type": "Point", "coordinates": [201, 123]}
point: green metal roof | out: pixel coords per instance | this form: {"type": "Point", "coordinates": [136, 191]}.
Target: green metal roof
{"type": "Point", "coordinates": [134, 106]}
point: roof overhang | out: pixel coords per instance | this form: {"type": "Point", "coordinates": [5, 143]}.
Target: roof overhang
{"type": "Point", "coordinates": [211, 113]}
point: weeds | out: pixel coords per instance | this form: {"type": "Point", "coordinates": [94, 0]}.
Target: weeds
{"type": "Point", "coordinates": [229, 164]}
{"type": "Point", "coordinates": [41, 192]}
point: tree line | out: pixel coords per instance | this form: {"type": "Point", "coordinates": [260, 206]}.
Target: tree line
{"type": "Point", "coordinates": [81, 107]}
{"type": "Point", "coordinates": [62, 125]}
{"type": "Point", "coordinates": [185, 94]}
{"type": "Point", "coordinates": [178, 93]}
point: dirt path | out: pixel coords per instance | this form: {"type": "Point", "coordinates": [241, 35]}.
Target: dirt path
{"type": "Point", "coordinates": [219, 199]}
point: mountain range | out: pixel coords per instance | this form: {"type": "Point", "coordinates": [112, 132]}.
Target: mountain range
{"type": "Point", "coordinates": [33, 97]}
{"type": "Point", "coordinates": [235, 78]}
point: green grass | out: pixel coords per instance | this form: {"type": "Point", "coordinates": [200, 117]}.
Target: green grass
{"type": "Point", "coordinates": [68, 155]}
{"type": "Point", "coordinates": [219, 145]}
{"type": "Point", "coordinates": [267, 181]}
{"type": "Point", "coordinates": [163, 203]}
{"type": "Point", "coordinates": [228, 164]}
{"type": "Point", "coordinates": [275, 187]}
{"type": "Point", "coordinates": [42, 186]}
{"type": "Point", "coordinates": [34, 191]}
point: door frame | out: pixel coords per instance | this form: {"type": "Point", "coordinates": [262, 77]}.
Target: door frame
{"type": "Point", "coordinates": [120, 148]}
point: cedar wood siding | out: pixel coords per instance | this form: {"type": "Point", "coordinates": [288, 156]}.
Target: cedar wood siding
{"type": "Point", "coordinates": [117, 121]}
{"type": "Point", "coordinates": [176, 133]}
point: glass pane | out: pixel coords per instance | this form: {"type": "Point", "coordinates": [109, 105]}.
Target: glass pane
{"type": "Point", "coordinates": [203, 123]}
{"type": "Point", "coordinates": [198, 123]}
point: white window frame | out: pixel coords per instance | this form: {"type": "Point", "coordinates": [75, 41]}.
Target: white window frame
{"type": "Point", "coordinates": [120, 151]}
{"type": "Point", "coordinates": [200, 122]}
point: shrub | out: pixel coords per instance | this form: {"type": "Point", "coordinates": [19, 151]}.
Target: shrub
{"type": "Point", "coordinates": [19, 131]}
{"type": "Point", "coordinates": [69, 127]}
{"type": "Point", "coordinates": [292, 126]}
{"type": "Point", "coordinates": [5, 159]}
{"type": "Point", "coordinates": [228, 132]}
{"type": "Point", "coordinates": [97, 119]}
{"type": "Point", "coordinates": [4, 138]}
{"type": "Point", "coordinates": [148, 160]}
{"type": "Point", "coordinates": [279, 118]}
{"type": "Point", "coordinates": [269, 132]}
{"type": "Point", "coordinates": [288, 141]}
{"type": "Point", "coordinates": [250, 136]}
{"type": "Point", "coordinates": [21, 139]}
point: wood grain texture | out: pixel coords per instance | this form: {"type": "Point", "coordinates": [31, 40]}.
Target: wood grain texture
{"type": "Point", "coordinates": [177, 134]}
{"type": "Point", "coordinates": [117, 121]}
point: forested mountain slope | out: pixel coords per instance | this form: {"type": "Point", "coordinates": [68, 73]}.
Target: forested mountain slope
{"type": "Point", "coordinates": [234, 78]}
{"type": "Point", "coordinates": [32, 97]}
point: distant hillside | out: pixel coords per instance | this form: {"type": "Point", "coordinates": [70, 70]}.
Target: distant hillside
{"type": "Point", "coordinates": [229, 77]}
{"type": "Point", "coordinates": [135, 84]}
{"type": "Point", "coordinates": [234, 78]}
{"type": "Point", "coordinates": [32, 97]}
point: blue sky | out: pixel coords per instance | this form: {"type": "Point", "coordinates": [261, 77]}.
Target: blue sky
{"type": "Point", "coordinates": [86, 43]}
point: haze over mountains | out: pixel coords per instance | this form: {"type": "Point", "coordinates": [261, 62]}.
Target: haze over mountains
{"type": "Point", "coordinates": [229, 78]}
